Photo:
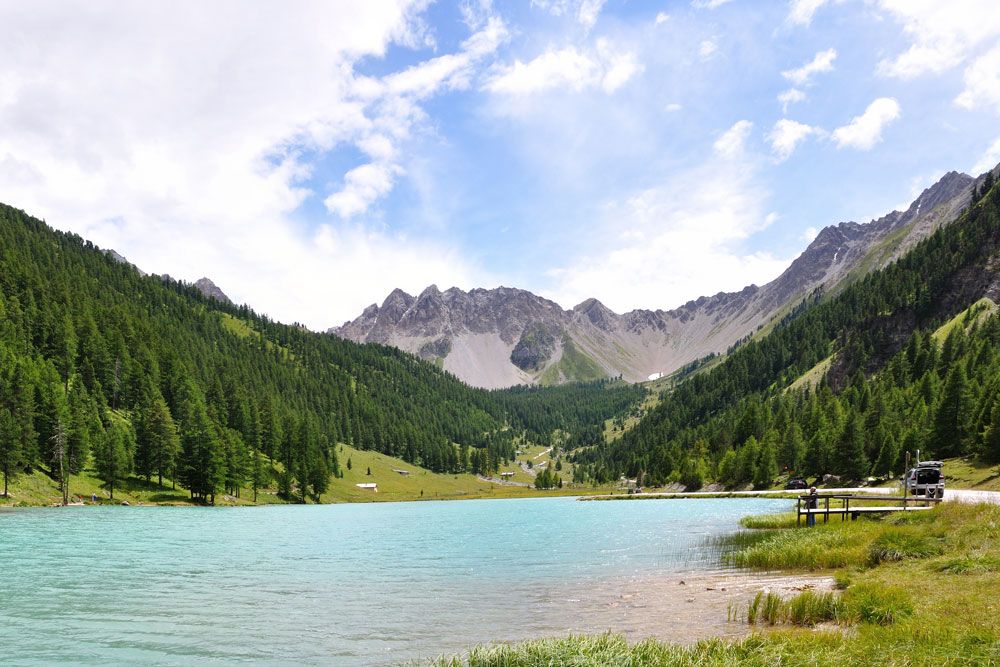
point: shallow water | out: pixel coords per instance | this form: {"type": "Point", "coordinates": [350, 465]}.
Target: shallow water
{"type": "Point", "coordinates": [343, 584]}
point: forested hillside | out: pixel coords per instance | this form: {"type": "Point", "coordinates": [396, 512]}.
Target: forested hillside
{"type": "Point", "coordinates": [890, 386]}
{"type": "Point", "coordinates": [101, 366]}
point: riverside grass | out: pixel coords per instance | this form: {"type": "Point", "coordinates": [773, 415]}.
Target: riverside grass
{"type": "Point", "coordinates": [918, 589]}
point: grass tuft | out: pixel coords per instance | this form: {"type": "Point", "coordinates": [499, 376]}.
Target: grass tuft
{"type": "Point", "coordinates": [769, 521]}
{"type": "Point", "coordinates": [897, 545]}
{"type": "Point", "coordinates": [877, 604]}
{"type": "Point", "coordinates": [977, 563]}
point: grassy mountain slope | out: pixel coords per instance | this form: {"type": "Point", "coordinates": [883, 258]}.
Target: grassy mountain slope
{"type": "Point", "coordinates": [884, 320]}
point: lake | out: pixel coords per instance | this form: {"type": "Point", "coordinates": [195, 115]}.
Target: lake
{"type": "Point", "coordinates": [344, 584]}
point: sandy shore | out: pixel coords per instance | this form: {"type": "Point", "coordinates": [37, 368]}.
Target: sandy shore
{"type": "Point", "coordinates": [681, 608]}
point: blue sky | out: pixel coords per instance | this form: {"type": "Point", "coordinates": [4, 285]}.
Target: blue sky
{"type": "Point", "coordinates": [311, 158]}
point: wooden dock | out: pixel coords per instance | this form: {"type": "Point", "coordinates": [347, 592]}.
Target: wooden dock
{"type": "Point", "coordinates": [841, 505]}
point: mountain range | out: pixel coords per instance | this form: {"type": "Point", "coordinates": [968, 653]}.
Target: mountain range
{"type": "Point", "coordinates": [502, 337]}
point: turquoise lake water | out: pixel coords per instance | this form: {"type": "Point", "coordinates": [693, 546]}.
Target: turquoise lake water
{"type": "Point", "coordinates": [334, 584]}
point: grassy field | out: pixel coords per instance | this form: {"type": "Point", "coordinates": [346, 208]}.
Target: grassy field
{"type": "Point", "coordinates": [916, 589]}
{"type": "Point", "coordinates": [39, 488]}
{"type": "Point", "coordinates": [421, 484]}
{"type": "Point", "coordinates": [969, 473]}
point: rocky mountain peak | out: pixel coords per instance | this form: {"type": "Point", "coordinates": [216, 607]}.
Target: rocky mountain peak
{"type": "Point", "coordinates": [597, 314]}
{"type": "Point", "coordinates": [504, 336]}
{"type": "Point", "coordinates": [211, 290]}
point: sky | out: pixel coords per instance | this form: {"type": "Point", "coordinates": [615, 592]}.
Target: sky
{"type": "Point", "coordinates": [309, 157]}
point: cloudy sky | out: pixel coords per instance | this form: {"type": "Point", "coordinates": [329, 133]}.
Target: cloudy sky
{"type": "Point", "coordinates": [311, 156]}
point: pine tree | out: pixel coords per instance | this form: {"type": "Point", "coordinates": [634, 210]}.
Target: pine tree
{"type": "Point", "coordinates": [202, 468]}
{"type": "Point", "coordinates": [851, 460]}
{"type": "Point", "coordinates": [948, 434]}
{"type": "Point", "coordinates": [111, 454]}
{"type": "Point", "coordinates": [158, 444]}
{"type": "Point", "coordinates": [991, 450]}
{"type": "Point", "coordinates": [793, 449]}
{"type": "Point", "coordinates": [10, 450]}
{"type": "Point", "coordinates": [766, 465]}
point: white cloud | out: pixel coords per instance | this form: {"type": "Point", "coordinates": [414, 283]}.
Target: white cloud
{"type": "Point", "coordinates": [589, 11]}
{"type": "Point", "coordinates": [864, 131]}
{"type": "Point", "coordinates": [568, 68]}
{"type": "Point", "coordinates": [786, 135]}
{"type": "Point", "coordinates": [661, 18]}
{"type": "Point", "coordinates": [733, 141]}
{"type": "Point", "coordinates": [943, 34]}
{"type": "Point", "coordinates": [673, 106]}
{"type": "Point", "coordinates": [183, 138]}
{"type": "Point", "coordinates": [822, 62]}
{"type": "Point", "coordinates": [586, 12]}
{"type": "Point", "coordinates": [674, 242]}
{"type": "Point", "coordinates": [789, 97]}
{"type": "Point", "coordinates": [809, 235]}
{"type": "Point", "coordinates": [362, 186]}
{"type": "Point", "coordinates": [395, 99]}
{"type": "Point", "coordinates": [989, 160]}
{"type": "Point", "coordinates": [801, 11]}
{"type": "Point", "coordinates": [708, 4]}
{"type": "Point", "coordinates": [982, 82]}
{"type": "Point", "coordinates": [707, 48]}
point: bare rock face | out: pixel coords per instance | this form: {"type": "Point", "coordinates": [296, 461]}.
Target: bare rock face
{"type": "Point", "coordinates": [505, 336]}
{"type": "Point", "coordinates": [534, 348]}
{"type": "Point", "coordinates": [211, 290]}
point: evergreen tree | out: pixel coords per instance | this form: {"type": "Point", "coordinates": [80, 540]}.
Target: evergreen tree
{"type": "Point", "coordinates": [158, 444]}
{"type": "Point", "coordinates": [10, 451]}
{"type": "Point", "coordinates": [948, 435]}
{"type": "Point", "coordinates": [111, 455]}
{"type": "Point", "coordinates": [793, 449]}
{"type": "Point", "coordinates": [851, 460]}
{"type": "Point", "coordinates": [991, 450]}
{"type": "Point", "coordinates": [766, 465]}
{"type": "Point", "coordinates": [202, 469]}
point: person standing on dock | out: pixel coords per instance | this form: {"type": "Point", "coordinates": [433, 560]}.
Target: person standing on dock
{"type": "Point", "coordinates": [812, 502]}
